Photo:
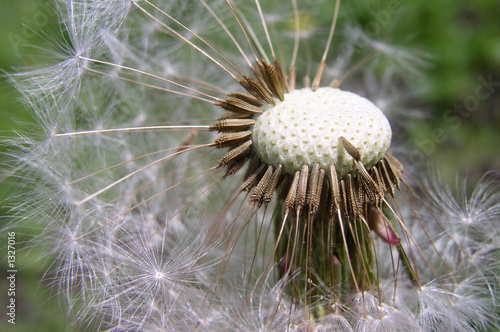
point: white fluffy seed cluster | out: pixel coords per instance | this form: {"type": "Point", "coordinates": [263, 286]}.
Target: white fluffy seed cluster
{"type": "Point", "coordinates": [305, 129]}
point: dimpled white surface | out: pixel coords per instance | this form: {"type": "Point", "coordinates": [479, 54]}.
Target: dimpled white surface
{"type": "Point", "coordinates": [305, 129]}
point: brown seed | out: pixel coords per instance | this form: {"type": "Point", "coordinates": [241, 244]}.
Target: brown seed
{"type": "Point", "coordinates": [281, 75]}
{"type": "Point", "coordinates": [252, 179]}
{"type": "Point", "coordinates": [271, 188]}
{"type": "Point", "coordinates": [236, 165]}
{"type": "Point", "coordinates": [292, 192]}
{"type": "Point", "coordinates": [343, 193]}
{"type": "Point", "coordinates": [369, 186]}
{"type": "Point", "coordinates": [300, 200]}
{"type": "Point", "coordinates": [234, 115]}
{"type": "Point", "coordinates": [238, 106]}
{"type": "Point", "coordinates": [246, 98]}
{"type": "Point", "coordinates": [235, 153]}
{"type": "Point", "coordinates": [271, 78]}
{"type": "Point", "coordinates": [312, 191]}
{"type": "Point", "coordinates": [351, 149]}
{"type": "Point", "coordinates": [385, 176]}
{"type": "Point", "coordinates": [257, 193]}
{"type": "Point", "coordinates": [231, 125]}
{"type": "Point", "coordinates": [225, 140]}
{"type": "Point", "coordinates": [314, 195]}
{"type": "Point", "coordinates": [335, 190]}
{"type": "Point", "coordinates": [188, 140]}
{"type": "Point", "coordinates": [375, 175]}
{"type": "Point", "coordinates": [256, 89]}
{"type": "Point", "coordinates": [351, 188]}
{"type": "Point", "coordinates": [392, 170]}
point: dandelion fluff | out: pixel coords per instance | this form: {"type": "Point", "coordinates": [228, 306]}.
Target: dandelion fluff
{"type": "Point", "coordinates": [161, 210]}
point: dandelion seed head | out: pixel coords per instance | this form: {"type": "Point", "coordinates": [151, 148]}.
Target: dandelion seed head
{"type": "Point", "coordinates": [451, 308]}
{"type": "Point", "coordinates": [221, 225]}
{"type": "Point", "coordinates": [305, 129]}
{"type": "Point", "coordinates": [333, 322]}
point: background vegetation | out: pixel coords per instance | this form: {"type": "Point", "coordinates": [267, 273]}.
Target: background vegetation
{"type": "Point", "coordinates": [461, 37]}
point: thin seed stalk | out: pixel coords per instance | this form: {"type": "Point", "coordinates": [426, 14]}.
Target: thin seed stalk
{"type": "Point", "coordinates": [323, 275]}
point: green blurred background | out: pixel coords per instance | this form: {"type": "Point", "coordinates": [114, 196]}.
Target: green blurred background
{"type": "Point", "coordinates": [37, 309]}
{"type": "Point", "coordinates": [463, 38]}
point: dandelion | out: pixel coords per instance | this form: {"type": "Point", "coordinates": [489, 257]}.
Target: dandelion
{"type": "Point", "coordinates": [184, 178]}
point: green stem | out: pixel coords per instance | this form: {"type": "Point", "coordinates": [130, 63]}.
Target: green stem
{"type": "Point", "coordinates": [323, 269]}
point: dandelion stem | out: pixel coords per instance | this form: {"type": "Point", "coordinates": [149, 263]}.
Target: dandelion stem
{"type": "Point", "coordinates": [99, 192]}
{"type": "Point", "coordinates": [147, 74]}
{"type": "Point", "coordinates": [187, 41]}
{"type": "Point", "coordinates": [154, 86]}
{"type": "Point", "coordinates": [251, 41]}
{"type": "Point", "coordinates": [264, 25]}
{"type": "Point", "coordinates": [295, 45]}
{"type": "Point", "coordinates": [322, 63]}
{"type": "Point", "coordinates": [143, 202]}
{"type": "Point", "coordinates": [131, 129]}
{"type": "Point", "coordinates": [228, 32]}
{"type": "Point", "coordinates": [119, 164]}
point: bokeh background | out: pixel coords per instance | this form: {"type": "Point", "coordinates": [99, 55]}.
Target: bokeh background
{"type": "Point", "coordinates": [461, 37]}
